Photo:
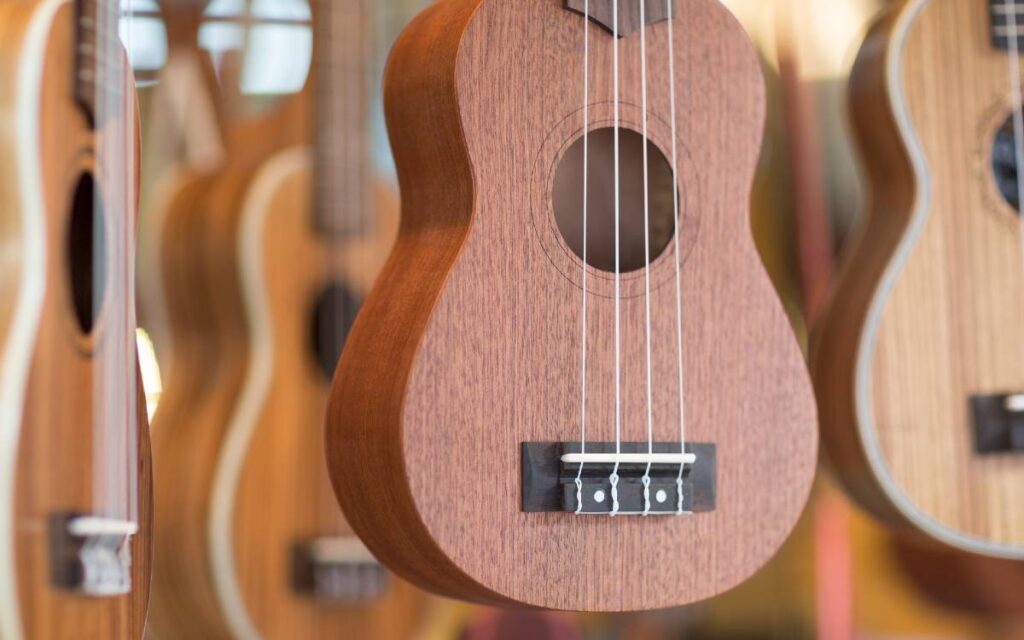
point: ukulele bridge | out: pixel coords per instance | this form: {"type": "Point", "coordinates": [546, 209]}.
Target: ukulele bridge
{"type": "Point", "coordinates": [550, 471]}
{"type": "Point", "coordinates": [340, 570]}
{"type": "Point", "coordinates": [998, 423]}
{"type": "Point", "coordinates": [91, 555]}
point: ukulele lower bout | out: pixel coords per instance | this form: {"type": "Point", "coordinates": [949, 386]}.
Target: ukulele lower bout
{"type": "Point", "coordinates": [635, 478]}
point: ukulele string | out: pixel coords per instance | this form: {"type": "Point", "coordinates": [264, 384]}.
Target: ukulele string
{"type": "Point", "coordinates": [677, 239]}
{"type": "Point", "coordinates": [100, 420]}
{"type": "Point", "coordinates": [586, 166]}
{"type": "Point", "coordinates": [646, 480]}
{"type": "Point", "coordinates": [614, 477]}
{"type": "Point", "coordinates": [133, 380]}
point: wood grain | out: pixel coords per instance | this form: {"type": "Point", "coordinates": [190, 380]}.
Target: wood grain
{"type": "Point", "coordinates": [470, 342]}
{"type": "Point", "coordinates": [60, 450]}
{"type": "Point", "coordinates": [929, 93]}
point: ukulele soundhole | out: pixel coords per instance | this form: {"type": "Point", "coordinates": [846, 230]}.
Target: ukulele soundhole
{"type": "Point", "coordinates": [550, 471]}
{"type": "Point", "coordinates": [1004, 164]}
{"type": "Point", "coordinates": [86, 253]}
{"type": "Point", "coordinates": [333, 314]}
{"type": "Point", "coordinates": [600, 227]}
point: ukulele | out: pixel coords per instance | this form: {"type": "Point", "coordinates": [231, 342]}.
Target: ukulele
{"type": "Point", "coordinates": [916, 373]}
{"type": "Point", "coordinates": [575, 406]}
{"type": "Point", "coordinates": [208, 331]}
{"type": "Point", "coordinates": [75, 485]}
{"type": "Point", "coordinates": [188, 143]}
{"type": "Point", "coordinates": [309, 242]}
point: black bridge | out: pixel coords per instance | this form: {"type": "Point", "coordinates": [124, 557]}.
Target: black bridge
{"type": "Point", "coordinates": [550, 471]}
{"type": "Point", "coordinates": [998, 422]}
{"type": "Point", "coordinates": [337, 570]}
{"type": "Point", "coordinates": [91, 555]}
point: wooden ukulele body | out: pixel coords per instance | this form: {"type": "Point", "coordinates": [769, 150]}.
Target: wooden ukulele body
{"type": "Point", "coordinates": [469, 345]}
{"type": "Point", "coordinates": [930, 299]}
{"type": "Point", "coordinates": [210, 338]}
{"type": "Point", "coordinates": [272, 495]}
{"type": "Point", "coordinates": [54, 400]}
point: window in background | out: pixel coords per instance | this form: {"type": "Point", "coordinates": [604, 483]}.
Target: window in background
{"type": "Point", "coordinates": [273, 39]}
{"type": "Point", "coordinates": [142, 31]}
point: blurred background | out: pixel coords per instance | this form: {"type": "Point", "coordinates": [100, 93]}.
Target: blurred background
{"type": "Point", "coordinates": [204, 67]}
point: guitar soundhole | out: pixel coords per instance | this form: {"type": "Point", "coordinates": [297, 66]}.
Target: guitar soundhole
{"type": "Point", "coordinates": [335, 311]}
{"type": "Point", "coordinates": [568, 200]}
{"type": "Point", "coordinates": [86, 252]}
{"type": "Point", "coordinates": [1004, 164]}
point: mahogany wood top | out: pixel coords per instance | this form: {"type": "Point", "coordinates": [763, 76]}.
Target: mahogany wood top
{"type": "Point", "coordinates": [470, 344]}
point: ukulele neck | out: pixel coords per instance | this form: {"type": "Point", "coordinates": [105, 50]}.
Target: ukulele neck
{"type": "Point", "coordinates": [1007, 21]}
{"type": "Point", "coordinates": [342, 205]}
{"type": "Point", "coordinates": [98, 53]}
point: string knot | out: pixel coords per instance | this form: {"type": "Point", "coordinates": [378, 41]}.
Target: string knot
{"type": "Point", "coordinates": [679, 496]}
{"type": "Point", "coordinates": [614, 479]}
{"type": "Point", "coordinates": [579, 496]}
{"type": "Point", "coordinates": [647, 494]}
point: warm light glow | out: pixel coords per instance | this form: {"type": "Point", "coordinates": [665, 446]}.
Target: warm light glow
{"type": "Point", "coordinates": [829, 34]}
{"type": "Point", "coordinates": [825, 35]}
{"type": "Point", "coordinates": [151, 381]}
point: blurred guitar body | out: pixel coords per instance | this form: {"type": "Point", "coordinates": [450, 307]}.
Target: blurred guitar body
{"type": "Point", "coordinates": [312, 237]}
{"type": "Point", "coordinates": [75, 483]}
{"type": "Point", "coordinates": [207, 367]}
{"type": "Point", "coordinates": [917, 361]}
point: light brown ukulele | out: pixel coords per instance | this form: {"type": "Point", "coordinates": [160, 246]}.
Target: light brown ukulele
{"type": "Point", "coordinates": [310, 241]}
{"type": "Point", "coordinates": [593, 406]}
{"type": "Point", "coordinates": [75, 486]}
{"type": "Point", "coordinates": [209, 339]}
{"type": "Point", "coordinates": [917, 361]}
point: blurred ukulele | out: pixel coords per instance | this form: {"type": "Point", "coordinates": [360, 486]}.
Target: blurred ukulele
{"type": "Point", "coordinates": [310, 240]}
{"type": "Point", "coordinates": [75, 492]}
{"type": "Point", "coordinates": [531, 376]}
{"type": "Point", "coordinates": [198, 258]}
{"type": "Point", "coordinates": [187, 140]}
{"type": "Point", "coordinates": [917, 361]}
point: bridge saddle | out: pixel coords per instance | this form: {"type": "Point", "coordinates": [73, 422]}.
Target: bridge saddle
{"type": "Point", "coordinates": [647, 478]}
{"type": "Point", "coordinates": [91, 555]}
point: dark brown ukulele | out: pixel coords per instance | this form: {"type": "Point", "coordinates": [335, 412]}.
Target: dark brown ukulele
{"type": "Point", "coordinates": [573, 385]}
{"type": "Point", "coordinates": [75, 486]}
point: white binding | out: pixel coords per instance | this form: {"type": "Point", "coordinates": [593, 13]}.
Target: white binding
{"type": "Point", "coordinates": [16, 357]}
{"type": "Point", "coordinates": [869, 337]}
{"type": "Point", "coordinates": [244, 419]}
